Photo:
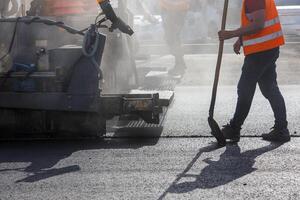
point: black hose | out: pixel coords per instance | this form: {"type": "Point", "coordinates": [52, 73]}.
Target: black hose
{"type": "Point", "coordinates": [90, 47]}
{"type": "Point", "coordinates": [29, 20]}
{"type": "Point", "coordinates": [88, 37]}
{"type": "Point", "coordinates": [98, 25]}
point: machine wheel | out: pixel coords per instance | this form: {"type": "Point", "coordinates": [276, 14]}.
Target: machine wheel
{"type": "Point", "coordinates": [22, 122]}
{"type": "Point", "coordinates": [79, 124]}
{"type": "Point", "coordinates": [39, 124]}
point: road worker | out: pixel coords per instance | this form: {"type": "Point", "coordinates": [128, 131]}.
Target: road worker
{"type": "Point", "coordinates": [174, 14]}
{"type": "Point", "coordinates": [261, 36]}
{"type": "Point", "coordinates": [60, 8]}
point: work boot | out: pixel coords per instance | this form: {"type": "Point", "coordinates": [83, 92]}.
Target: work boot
{"type": "Point", "coordinates": [231, 133]}
{"type": "Point", "coordinates": [180, 62]}
{"type": "Point", "coordinates": [179, 68]}
{"type": "Point", "coordinates": [277, 135]}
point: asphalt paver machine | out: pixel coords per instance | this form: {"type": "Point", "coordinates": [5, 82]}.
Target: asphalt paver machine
{"type": "Point", "coordinates": [50, 86]}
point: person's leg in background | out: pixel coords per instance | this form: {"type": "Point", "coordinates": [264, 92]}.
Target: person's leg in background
{"type": "Point", "coordinates": [173, 23]}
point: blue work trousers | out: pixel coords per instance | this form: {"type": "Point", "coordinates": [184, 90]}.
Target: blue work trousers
{"type": "Point", "coordinates": [260, 68]}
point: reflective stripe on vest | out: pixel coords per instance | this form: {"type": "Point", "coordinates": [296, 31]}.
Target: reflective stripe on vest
{"type": "Point", "coordinates": [272, 22]}
{"type": "Point", "coordinates": [263, 39]}
{"type": "Point", "coordinates": [69, 7]}
{"type": "Point", "coordinates": [271, 36]}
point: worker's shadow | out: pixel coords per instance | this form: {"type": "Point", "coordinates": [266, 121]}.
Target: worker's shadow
{"type": "Point", "coordinates": [44, 157]}
{"type": "Point", "coordinates": [232, 165]}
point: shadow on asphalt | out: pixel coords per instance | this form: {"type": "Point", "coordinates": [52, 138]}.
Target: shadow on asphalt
{"type": "Point", "coordinates": [44, 155]}
{"type": "Point", "coordinates": [142, 133]}
{"type": "Point", "coordinates": [231, 166]}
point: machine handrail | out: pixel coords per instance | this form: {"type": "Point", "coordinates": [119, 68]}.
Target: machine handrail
{"type": "Point", "coordinates": [30, 20]}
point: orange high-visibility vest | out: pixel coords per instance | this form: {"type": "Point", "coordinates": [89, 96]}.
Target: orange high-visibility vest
{"type": "Point", "coordinates": [175, 5]}
{"type": "Point", "coordinates": [69, 7]}
{"type": "Point", "coordinates": [64, 7]}
{"type": "Point", "coordinates": [271, 36]}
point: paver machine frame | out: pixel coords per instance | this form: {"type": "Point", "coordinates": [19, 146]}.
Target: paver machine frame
{"type": "Point", "coordinates": [59, 89]}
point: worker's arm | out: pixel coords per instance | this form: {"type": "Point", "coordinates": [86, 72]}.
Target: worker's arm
{"type": "Point", "coordinates": [256, 25]}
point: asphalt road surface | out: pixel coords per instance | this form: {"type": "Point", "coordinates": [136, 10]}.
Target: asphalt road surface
{"type": "Point", "coordinates": [149, 169]}
{"type": "Point", "coordinates": [183, 163]}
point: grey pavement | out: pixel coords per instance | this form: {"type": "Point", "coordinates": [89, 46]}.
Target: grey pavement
{"type": "Point", "coordinates": [188, 114]}
{"type": "Point", "coordinates": [150, 169]}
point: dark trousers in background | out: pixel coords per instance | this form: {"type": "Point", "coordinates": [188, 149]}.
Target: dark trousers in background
{"type": "Point", "coordinates": [173, 23]}
{"type": "Point", "coordinates": [260, 68]}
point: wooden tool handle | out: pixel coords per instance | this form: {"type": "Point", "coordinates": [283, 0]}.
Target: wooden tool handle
{"type": "Point", "coordinates": [219, 62]}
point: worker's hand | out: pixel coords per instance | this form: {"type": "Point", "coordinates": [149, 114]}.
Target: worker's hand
{"type": "Point", "coordinates": [225, 35]}
{"type": "Point", "coordinates": [237, 47]}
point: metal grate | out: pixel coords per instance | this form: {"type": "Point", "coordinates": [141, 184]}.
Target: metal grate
{"type": "Point", "coordinates": [166, 84]}
{"type": "Point", "coordinates": [142, 124]}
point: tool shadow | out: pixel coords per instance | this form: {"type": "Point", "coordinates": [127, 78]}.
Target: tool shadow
{"type": "Point", "coordinates": [231, 166]}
